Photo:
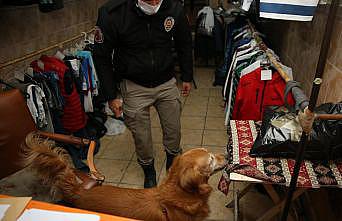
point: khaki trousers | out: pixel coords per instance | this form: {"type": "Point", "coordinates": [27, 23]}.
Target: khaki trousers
{"type": "Point", "coordinates": [137, 101]}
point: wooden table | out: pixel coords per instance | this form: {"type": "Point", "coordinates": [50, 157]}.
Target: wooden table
{"type": "Point", "coordinates": [270, 213]}
{"type": "Point", "coordinates": [49, 206]}
{"type": "Point", "coordinates": [269, 171]}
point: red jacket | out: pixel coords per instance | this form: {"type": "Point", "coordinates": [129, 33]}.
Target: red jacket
{"type": "Point", "coordinates": [74, 117]}
{"type": "Point", "coordinates": [253, 95]}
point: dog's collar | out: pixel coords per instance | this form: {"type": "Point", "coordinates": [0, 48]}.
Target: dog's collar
{"type": "Point", "coordinates": [164, 210]}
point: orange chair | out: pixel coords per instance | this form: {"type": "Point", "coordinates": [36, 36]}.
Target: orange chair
{"type": "Point", "coordinates": [16, 123]}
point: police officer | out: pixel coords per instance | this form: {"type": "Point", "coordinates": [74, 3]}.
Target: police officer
{"type": "Point", "coordinates": [133, 57]}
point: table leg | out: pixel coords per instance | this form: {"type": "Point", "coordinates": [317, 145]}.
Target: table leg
{"type": "Point", "coordinates": [274, 196]}
{"type": "Point", "coordinates": [272, 193]}
{"type": "Point", "coordinates": [278, 207]}
{"type": "Point", "coordinates": [240, 195]}
{"type": "Point", "coordinates": [236, 205]}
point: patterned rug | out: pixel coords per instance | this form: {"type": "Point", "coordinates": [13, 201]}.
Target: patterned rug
{"type": "Point", "coordinates": [313, 174]}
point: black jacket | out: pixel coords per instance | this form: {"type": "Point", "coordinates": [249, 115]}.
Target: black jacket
{"type": "Point", "coordinates": [142, 44]}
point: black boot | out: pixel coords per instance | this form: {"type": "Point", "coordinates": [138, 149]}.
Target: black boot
{"type": "Point", "coordinates": [169, 160]}
{"type": "Point", "coordinates": [150, 175]}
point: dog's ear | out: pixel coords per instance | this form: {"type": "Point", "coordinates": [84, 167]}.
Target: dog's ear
{"type": "Point", "coordinates": [192, 180]}
{"type": "Point", "coordinates": [204, 188]}
{"type": "Point", "coordinates": [187, 179]}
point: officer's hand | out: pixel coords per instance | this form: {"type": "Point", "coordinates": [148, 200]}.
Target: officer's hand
{"type": "Point", "coordinates": [186, 89]}
{"type": "Point", "coordinates": [116, 106]}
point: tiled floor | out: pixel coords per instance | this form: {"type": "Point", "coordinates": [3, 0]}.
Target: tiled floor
{"type": "Point", "coordinates": [202, 126]}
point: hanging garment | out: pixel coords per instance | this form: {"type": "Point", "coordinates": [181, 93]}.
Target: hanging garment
{"type": "Point", "coordinates": [209, 46]}
{"type": "Point", "coordinates": [53, 96]}
{"type": "Point", "coordinates": [50, 5]}
{"type": "Point", "coordinates": [89, 84]}
{"type": "Point", "coordinates": [74, 64]}
{"type": "Point", "coordinates": [74, 117]}
{"type": "Point", "coordinates": [246, 4]}
{"type": "Point", "coordinates": [48, 101]}
{"type": "Point", "coordinates": [206, 24]}
{"type": "Point", "coordinates": [238, 61]}
{"type": "Point", "coordinates": [43, 123]}
{"type": "Point", "coordinates": [91, 69]}
{"type": "Point", "coordinates": [84, 80]}
{"type": "Point", "coordinates": [36, 105]}
{"type": "Point", "coordinates": [232, 29]}
{"type": "Point", "coordinates": [254, 95]}
{"type": "Point", "coordinates": [296, 10]}
{"type": "Point", "coordinates": [88, 102]}
{"type": "Point", "coordinates": [230, 95]}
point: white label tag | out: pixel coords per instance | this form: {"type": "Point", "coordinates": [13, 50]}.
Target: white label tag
{"type": "Point", "coordinates": [74, 64]}
{"type": "Point", "coordinates": [30, 71]}
{"type": "Point", "coordinates": [40, 64]}
{"type": "Point", "coordinates": [59, 55]}
{"type": "Point", "coordinates": [84, 86]}
{"type": "Point", "coordinates": [246, 5]}
{"type": "Point", "coordinates": [250, 68]}
{"type": "Point", "coordinates": [266, 75]}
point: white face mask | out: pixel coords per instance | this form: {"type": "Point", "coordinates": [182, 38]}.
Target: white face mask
{"type": "Point", "coordinates": [147, 8]}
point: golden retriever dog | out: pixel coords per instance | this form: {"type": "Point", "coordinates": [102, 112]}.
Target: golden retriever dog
{"type": "Point", "coordinates": [182, 196]}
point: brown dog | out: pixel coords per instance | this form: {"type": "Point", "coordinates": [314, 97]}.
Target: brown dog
{"type": "Point", "coordinates": [183, 196]}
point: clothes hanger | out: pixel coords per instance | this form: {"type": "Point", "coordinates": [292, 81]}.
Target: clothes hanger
{"type": "Point", "coordinates": [87, 40]}
{"type": "Point", "coordinates": [81, 44]}
{"type": "Point", "coordinates": [259, 34]}
{"type": "Point", "coordinates": [247, 50]}
{"type": "Point", "coordinates": [91, 38]}
{"type": "Point", "coordinates": [241, 34]}
{"type": "Point", "coordinates": [265, 63]}
{"type": "Point", "coordinates": [31, 79]}
{"type": "Point", "coordinates": [251, 44]}
{"type": "Point", "coordinates": [60, 55]}
{"type": "Point", "coordinates": [67, 52]}
{"type": "Point", "coordinates": [249, 33]}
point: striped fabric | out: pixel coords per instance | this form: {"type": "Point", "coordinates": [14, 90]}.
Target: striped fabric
{"type": "Point", "coordinates": [296, 10]}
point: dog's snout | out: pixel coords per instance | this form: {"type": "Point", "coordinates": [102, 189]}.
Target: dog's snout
{"type": "Point", "coordinates": [221, 160]}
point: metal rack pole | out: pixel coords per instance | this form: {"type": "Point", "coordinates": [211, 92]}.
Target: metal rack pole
{"type": "Point", "coordinates": [313, 100]}
{"type": "Point", "coordinates": [38, 52]}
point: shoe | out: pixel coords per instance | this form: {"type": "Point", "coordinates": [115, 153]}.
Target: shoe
{"type": "Point", "coordinates": [169, 160]}
{"type": "Point", "coordinates": [150, 175]}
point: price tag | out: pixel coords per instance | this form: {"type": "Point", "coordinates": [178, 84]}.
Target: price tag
{"type": "Point", "coordinates": [84, 86]}
{"type": "Point", "coordinates": [59, 55]}
{"type": "Point", "coordinates": [30, 71]}
{"type": "Point", "coordinates": [40, 64]}
{"type": "Point", "coordinates": [74, 64]}
{"type": "Point", "coordinates": [266, 75]}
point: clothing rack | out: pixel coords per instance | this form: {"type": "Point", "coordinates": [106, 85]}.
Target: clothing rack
{"type": "Point", "coordinates": [284, 75]}
{"type": "Point", "coordinates": [38, 52]}
{"type": "Point", "coordinates": [306, 117]}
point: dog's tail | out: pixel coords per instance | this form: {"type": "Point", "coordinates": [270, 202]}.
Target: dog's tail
{"type": "Point", "coordinates": [52, 166]}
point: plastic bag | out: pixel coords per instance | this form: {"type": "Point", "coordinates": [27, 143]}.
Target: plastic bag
{"type": "Point", "coordinates": [280, 138]}
{"type": "Point", "coordinates": [114, 127]}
